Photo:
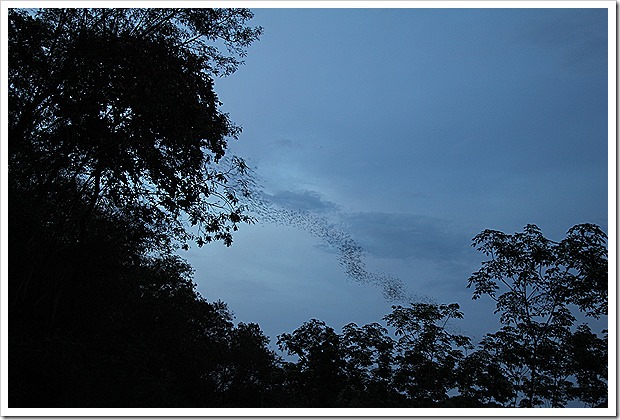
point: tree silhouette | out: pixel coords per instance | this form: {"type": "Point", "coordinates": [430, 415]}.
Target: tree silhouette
{"type": "Point", "coordinates": [534, 281]}
{"type": "Point", "coordinates": [318, 372]}
{"type": "Point", "coordinates": [368, 356]}
{"type": "Point", "coordinates": [116, 156]}
{"type": "Point", "coordinates": [428, 353]}
{"type": "Point", "coordinates": [118, 106]}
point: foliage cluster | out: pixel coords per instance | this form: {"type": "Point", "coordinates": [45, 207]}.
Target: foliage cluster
{"type": "Point", "coordinates": [115, 109]}
{"type": "Point", "coordinates": [116, 156]}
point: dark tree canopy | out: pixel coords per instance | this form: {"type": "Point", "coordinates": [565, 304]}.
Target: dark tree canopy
{"type": "Point", "coordinates": [116, 156]}
{"type": "Point", "coordinates": [115, 108]}
{"type": "Point", "coordinates": [428, 353]}
{"type": "Point", "coordinates": [536, 283]}
{"type": "Point", "coordinates": [538, 277]}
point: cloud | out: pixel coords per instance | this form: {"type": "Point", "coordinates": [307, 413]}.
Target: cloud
{"type": "Point", "coordinates": [407, 236]}
{"type": "Point", "coordinates": [304, 201]}
{"type": "Point", "coordinates": [579, 35]}
{"type": "Point", "coordinates": [285, 143]}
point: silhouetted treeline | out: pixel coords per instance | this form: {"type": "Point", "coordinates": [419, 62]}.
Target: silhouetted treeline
{"type": "Point", "coordinates": [116, 159]}
{"type": "Point", "coordinates": [98, 324]}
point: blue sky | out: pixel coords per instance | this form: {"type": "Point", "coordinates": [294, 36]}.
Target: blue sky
{"type": "Point", "coordinates": [406, 132]}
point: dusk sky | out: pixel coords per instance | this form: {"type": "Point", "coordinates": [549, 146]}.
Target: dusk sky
{"type": "Point", "coordinates": [406, 132]}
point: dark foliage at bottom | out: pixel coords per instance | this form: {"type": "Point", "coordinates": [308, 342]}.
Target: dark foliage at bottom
{"type": "Point", "coordinates": [98, 321]}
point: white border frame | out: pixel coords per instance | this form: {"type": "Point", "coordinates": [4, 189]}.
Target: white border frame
{"type": "Point", "coordinates": [610, 5]}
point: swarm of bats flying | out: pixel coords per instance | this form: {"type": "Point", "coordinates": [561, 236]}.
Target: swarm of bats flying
{"type": "Point", "coordinates": [351, 256]}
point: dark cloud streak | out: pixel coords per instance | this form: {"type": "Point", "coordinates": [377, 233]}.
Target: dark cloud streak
{"type": "Point", "coordinates": [305, 200]}
{"type": "Point", "coordinates": [407, 236]}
